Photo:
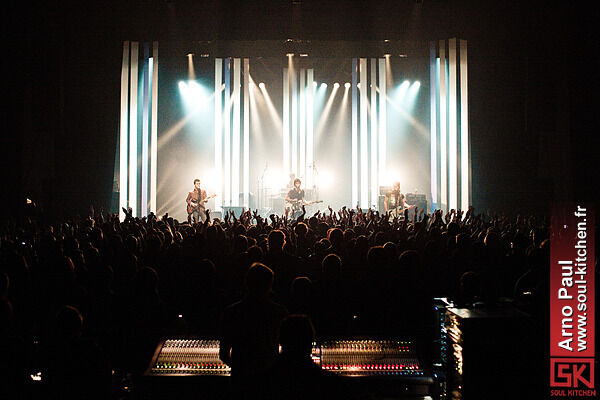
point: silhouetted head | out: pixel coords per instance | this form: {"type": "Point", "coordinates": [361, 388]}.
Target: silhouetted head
{"type": "Point", "coordinates": [332, 267]}
{"type": "Point", "coordinates": [259, 280]}
{"type": "Point", "coordinates": [69, 323]}
{"type": "Point", "coordinates": [335, 236]}
{"type": "Point", "coordinates": [301, 229]}
{"type": "Point", "coordinates": [376, 257]}
{"type": "Point", "coordinates": [296, 335]}
{"type": "Point", "coordinates": [276, 240]}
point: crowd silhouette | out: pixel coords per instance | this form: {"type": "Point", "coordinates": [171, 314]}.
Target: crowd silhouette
{"type": "Point", "coordinates": [90, 296]}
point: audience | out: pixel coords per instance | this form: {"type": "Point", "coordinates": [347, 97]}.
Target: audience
{"type": "Point", "coordinates": [107, 290]}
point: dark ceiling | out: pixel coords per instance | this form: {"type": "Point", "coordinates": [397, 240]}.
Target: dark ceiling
{"type": "Point", "coordinates": [532, 85]}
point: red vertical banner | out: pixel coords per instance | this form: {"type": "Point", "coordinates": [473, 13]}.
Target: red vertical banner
{"type": "Point", "coordinates": [572, 291]}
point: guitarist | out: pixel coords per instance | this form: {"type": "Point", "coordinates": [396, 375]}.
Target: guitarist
{"type": "Point", "coordinates": [195, 203]}
{"type": "Point", "coordinates": [394, 201]}
{"type": "Point", "coordinates": [295, 197]}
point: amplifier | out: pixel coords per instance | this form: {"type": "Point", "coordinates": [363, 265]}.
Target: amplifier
{"type": "Point", "coordinates": [481, 351]}
{"type": "Point", "coordinates": [418, 199]}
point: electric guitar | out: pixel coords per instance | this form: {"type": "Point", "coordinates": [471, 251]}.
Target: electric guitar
{"type": "Point", "coordinates": [193, 205]}
{"type": "Point", "coordinates": [297, 205]}
{"type": "Point", "coordinates": [398, 211]}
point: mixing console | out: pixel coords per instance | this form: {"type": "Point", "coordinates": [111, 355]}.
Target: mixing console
{"type": "Point", "coordinates": [368, 358]}
{"type": "Point", "coordinates": [189, 357]}
{"type": "Point", "coordinates": [343, 357]}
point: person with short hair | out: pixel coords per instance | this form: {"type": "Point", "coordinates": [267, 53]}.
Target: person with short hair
{"type": "Point", "coordinates": [196, 199]}
{"type": "Point", "coordinates": [250, 331]}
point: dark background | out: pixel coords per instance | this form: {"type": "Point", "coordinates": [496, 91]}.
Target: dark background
{"type": "Point", "coordinates": [533, 86]}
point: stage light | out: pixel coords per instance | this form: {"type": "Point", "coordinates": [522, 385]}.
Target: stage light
{"type": "Point", "coordinates": [303, 55]}
{"type": "Point", "coordinates": [402, 89]}
{"type": "Point", "coordinates": [325, 179]}
{"type": "Point", "coordinates": [323, 85]}
{"type": "Point", "coordinates": [336, 85]}
{"type": "Point", "coordinates": [358, 85]}
{"type": "Point", "coordinates": [273, 178]}
{"type": "Point", "coordinates": [191, 70]}
{"type": "Point", "coordinates": [347, 85]}
{"type": "Point", "coordinates": [261, 86]}
{"type": "Point", "coordinates": [290, 55]}
{"type": "Point", "coordinates": [182, 87]}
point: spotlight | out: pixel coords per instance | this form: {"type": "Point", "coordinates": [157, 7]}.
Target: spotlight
{"type": "Point", "coordinates": [358, 85]}
{"type": "Point", "coordinates": [323, 85]}
{"type": "Point", "coordinates": [303, 55]}
{"type": "Point", "coordinates": [290, 54]}
{"type": "Point", "coordinates": [336, 85]}
{"type": "Point", "coordinates": [347, 85]}
{"type": "Point", "coordinates": [261, 85]}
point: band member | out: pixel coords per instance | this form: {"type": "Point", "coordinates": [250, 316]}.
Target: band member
{"type": "Point", "coordinates": [290, 184]}
{"type": "Point", "coordinates": [394, 200]}
{"type": "Point", "coordinates": [295, 197]}
{"type": "Point", "coordinates": [195, 203]}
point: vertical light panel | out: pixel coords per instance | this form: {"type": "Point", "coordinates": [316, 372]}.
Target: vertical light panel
{"type": "Point", "coordinates": [246, 168]}
{"type": "Point", "coordinates": [227, 132]}
{"type": "Point", "coordinates": [382, 121]}
{"type": "Point", "coordinates": [302, 164]}
{"type": "Point", "coordinates": [218, 133]}
{"type": "Point", "coordinates": [145, 129]}
{"type": "Point", "coordinates": [374, 135]}
{"type": "Point", "coordinates": [154, 127]}
{"type": "Point", "coordinates": [133, 137]}
{"type": "Point", "coordinates": [310, 90]}
{"type": "Point", "coordinates": [433, 74]}
{"type": "Point", "coordinates": [354, 133]}
{"type": "Point", "coordinates": [452, 127]}
{"type": "Point", "coordinates": [123, 133]}
{"type": "Point", "coordinates": [465, 153]}
{"type": "Point", "coordinates": [286, 122]}
{"type": "Point", "coordinates": [294, 122]}
{"type": "Point", "coordinates": [364, 143]}
{"type": "Point", "coordinates": [235, 158]}
{"type": "Point", "coordinates": [443, 126]}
